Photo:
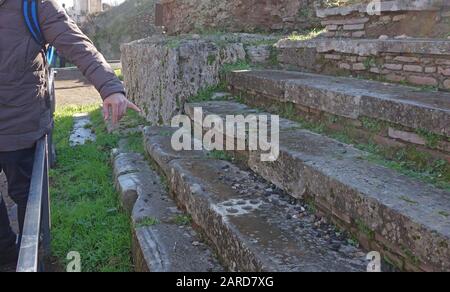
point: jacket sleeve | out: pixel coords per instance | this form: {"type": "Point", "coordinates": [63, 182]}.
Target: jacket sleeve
{"type": "Point", "coordinates": [60, 31]}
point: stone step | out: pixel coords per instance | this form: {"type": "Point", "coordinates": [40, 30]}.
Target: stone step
{"type": "Point", "coordinates": [253, 226]}
{"type": "Point", "coordinates": [163, 240]}
{"type": "Point", "coordinates": [419, 62]}
{"type": "Point", "coordinates": [405, 220]}
{"type": "Point", "coordinates": [350, 98]}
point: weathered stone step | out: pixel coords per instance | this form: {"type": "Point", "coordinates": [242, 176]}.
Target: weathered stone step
{"type": "Point", "coordinates": [163, 240]}
{"type": "Point", "coordinates": [252, 226]}
{"type": "Point", "coordinates": [350, 98]}
{"type": "Point", "coordinates": [406, 220]}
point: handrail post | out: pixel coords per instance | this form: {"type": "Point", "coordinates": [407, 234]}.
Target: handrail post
{"type": "Point", "coordinates": [46, 215]}
{"type": "Point", "coordinates": [36, 230]}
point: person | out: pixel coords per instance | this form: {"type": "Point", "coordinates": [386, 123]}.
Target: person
{"type": "Point", "coordinates": [24, 107]}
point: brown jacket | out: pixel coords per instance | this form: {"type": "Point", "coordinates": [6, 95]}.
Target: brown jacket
{"type": "Point", "coordinates": [24, 106]}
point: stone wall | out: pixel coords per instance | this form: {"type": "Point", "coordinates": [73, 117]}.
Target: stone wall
{"type": "Point", "coordinates": [132, 20]}
{"type": "Point", "coordinates": [183, 16]}
{"type": "Point", "coordinates": [430, 19]}
{"type": "Point", "coordinates": [416, 62]}
{"type": "Point", "coordinates": [161, 73]}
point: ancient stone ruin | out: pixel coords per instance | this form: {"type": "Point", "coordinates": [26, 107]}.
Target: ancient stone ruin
{"type": "Point", "coordinates": [365, 113]}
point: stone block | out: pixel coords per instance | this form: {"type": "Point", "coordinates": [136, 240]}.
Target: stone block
{"type": "Point", "coordinates": [406, 136]}
{"type": "Point", "coordinates": [413, 68]}
{"type": "Point", "coordinates": [354, 27]}
{"type": "Point", "coordinates": [405, 59]}
{"type": "Point", "coordinates": [444, 71]}
{"type": "Point", "coordinates": [359, 67]}
{"type": "Point", "coordinates": [395, 77]}
{"type": "Point", "coordinates": [332, 57]}
{"type": "Point", "coordinates": [358, 34]}
{"type": "Point", "coordinates": [345, 66]}
{"type": "Point", "coordinates": [423, 80]}
{"type": "Point", "coordinates": [394, 67]}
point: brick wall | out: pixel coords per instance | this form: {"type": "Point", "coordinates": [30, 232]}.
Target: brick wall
{"type": "Point", "coordinates": [415, 62]}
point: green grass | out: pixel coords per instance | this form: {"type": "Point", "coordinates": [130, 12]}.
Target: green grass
{"type": "Point", "coordinates": [182, 220]}
{"type": "Point", "coordinates": [85, 208]}
{"type": "Point", "coordinates": [307, 35]}
{"type": "Point", "coordinates": [147, 222]}
{"type": "Point", "coordinates": [119, 74]}
{"type": "Point", "coordinates": [220, 155]}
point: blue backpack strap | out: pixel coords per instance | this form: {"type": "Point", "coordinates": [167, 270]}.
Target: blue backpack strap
{"type": "Point", "coordinates": [31, 16]}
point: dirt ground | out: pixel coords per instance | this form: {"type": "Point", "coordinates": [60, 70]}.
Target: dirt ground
{"type": "Point", "coordinates": [73, 89]}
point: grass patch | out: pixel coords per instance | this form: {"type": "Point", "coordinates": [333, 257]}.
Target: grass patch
{"type": "Point", "coordinates": [220, 155]}
{"type": "Point", "coordinates": [432, 139]}
{"type": "Point", "coordinates": [135, 143]}
{"type": "Point", "coordinates": [83, 197]}
{"type": "Point", "coordinates": [207, 93]}
{"type": "Point", "coordinates": [119, 74]}
{"type": "Point", "coordinates": [408, 200]}
{"type": "Point", "coordinates": [444, 214]}
{"type": "Point", "coordinates": [240, 65]}
{"type": "Point", "coordinates": [307, 35]}
{"type": "Point", "coordinates": [182, 220]}
{"type": "Point", "coordinates": [147, 222]}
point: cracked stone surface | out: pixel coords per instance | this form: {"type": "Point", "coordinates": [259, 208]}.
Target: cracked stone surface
{"type": "Point", "coordinates": [398, 212]}
{"type": "Point", "coordinates": [253, 225]}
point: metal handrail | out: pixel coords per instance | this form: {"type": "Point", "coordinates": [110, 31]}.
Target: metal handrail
{"type": "Point", "coordinates": [35, 243]}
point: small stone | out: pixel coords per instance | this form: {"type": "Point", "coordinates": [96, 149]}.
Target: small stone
{"type": "Point", "coordinates": [335, 246]}
{"type": "Point", "coordinates": [232, 211]}
{"type": "Point", "coordinates": [195, 243]}
{"type": "Point", "coordinates": [447, 84]}
{"type": "Point", "coordinates": [345, 66]}
{"type": "Point", "coordinates": [402, 37]}
{"type": "Point", "coordinates": [383, 37]}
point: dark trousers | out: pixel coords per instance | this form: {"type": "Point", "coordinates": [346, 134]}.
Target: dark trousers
{"type": "Point", "coordinates": [18, 167]}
